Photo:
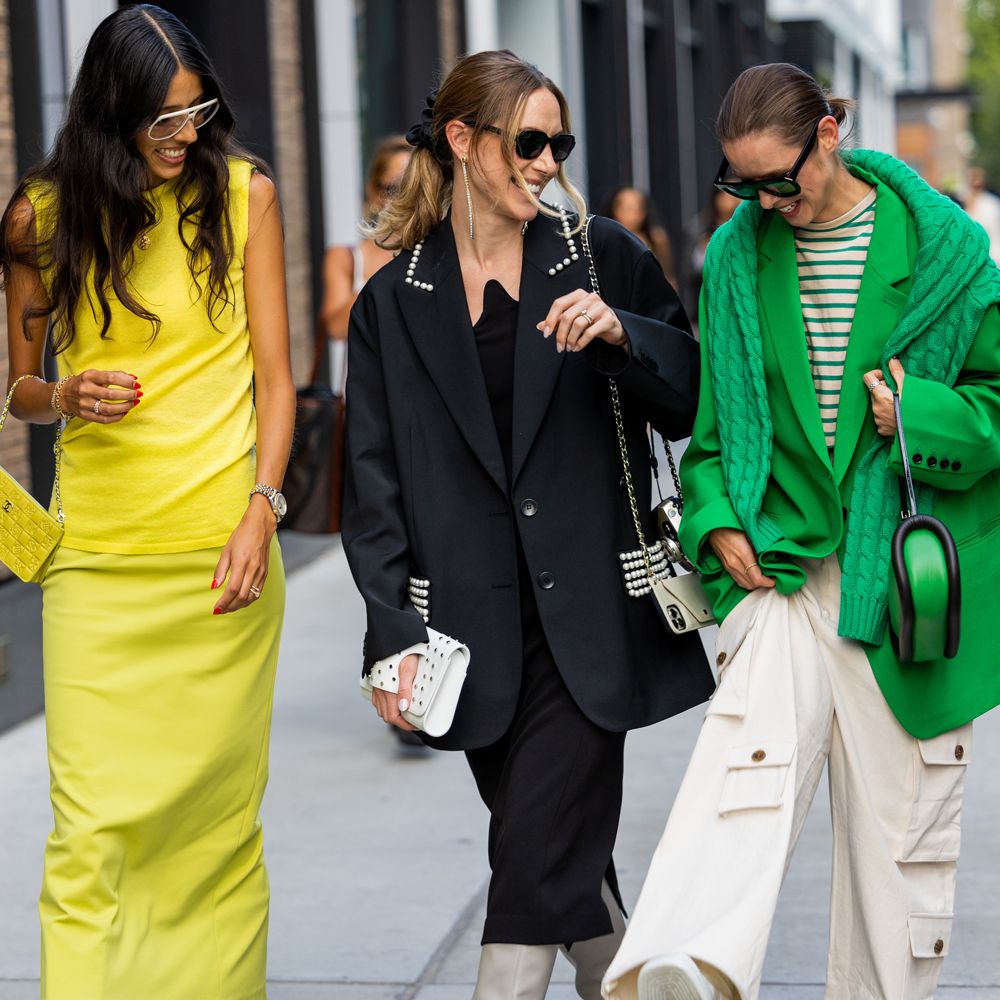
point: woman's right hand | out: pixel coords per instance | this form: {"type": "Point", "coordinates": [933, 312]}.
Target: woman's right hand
{"type": "Point", "coordinates": [391, 706]}
{"type": "Point", "coordinates": [738, 557]}
{"type": "Point", "coordinates": [118, 393]}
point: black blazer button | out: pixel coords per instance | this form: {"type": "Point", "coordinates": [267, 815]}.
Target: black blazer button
{"type": "Point", "coordinates": [546, 581]}
{"type": "Point", "coordinates": [529, 508]}
{"type": "Point", "coordinates": [917, 458]}
{"type": "Point", "coordinates": [945, 464]}
{"type": "Point", "coordinates": [956, 465]}
{"type": "Point", "coordinates": [932, 462]}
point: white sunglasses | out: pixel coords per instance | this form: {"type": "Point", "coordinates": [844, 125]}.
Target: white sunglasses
{"type": "Point", "coordinates": [169, 125]}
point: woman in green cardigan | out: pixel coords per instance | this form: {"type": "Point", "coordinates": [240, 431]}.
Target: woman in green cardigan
{"type": "Point", "coordinates": [842, 278]}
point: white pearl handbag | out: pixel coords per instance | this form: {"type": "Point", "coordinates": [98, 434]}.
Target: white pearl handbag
{"type": "Point", "coordinates": [442, 663]}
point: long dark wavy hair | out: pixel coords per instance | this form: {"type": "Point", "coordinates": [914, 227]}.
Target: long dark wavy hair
{"type": "Point", "coordinates": [100, 180]}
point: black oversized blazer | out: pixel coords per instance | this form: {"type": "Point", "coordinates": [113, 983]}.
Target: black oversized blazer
{"type": "Point", "coordinates": [427, 491]}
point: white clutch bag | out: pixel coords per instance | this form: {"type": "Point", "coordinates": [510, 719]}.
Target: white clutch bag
{"type": "Point", "coordinates": [442, 663]}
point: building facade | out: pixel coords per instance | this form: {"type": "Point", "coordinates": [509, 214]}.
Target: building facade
{"type": "Point", "coordinates": [933, 102]}
{"type": "Point", "coordinates": [643, 79]}
{"type": "Point", "coordinates": [853, 48]}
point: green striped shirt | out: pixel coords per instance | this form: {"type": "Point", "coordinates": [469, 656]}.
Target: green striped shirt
{"type": "Point", "coordinates": [831, 259]}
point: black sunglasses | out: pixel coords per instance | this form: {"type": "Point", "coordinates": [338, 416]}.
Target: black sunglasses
{"type": "Point", "coordinates": [529, 144]}
{"type": "Point", "coordinates": [782, 186]}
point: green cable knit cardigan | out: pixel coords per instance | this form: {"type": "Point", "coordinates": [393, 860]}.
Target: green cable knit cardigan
{"type": "Point", "coordinates": [954, 283]}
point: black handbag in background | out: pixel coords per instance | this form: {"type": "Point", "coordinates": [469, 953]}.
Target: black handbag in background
{"type": "Point", "coordinates": [314, 480]}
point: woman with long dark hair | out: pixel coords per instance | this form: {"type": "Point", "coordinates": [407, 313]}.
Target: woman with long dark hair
{"type": "Point", "coordinates": [483, 475]}
{"type": "Point", "coordinates": [842, 281]}
{"type": "Point", "coordinates": [149, 245]}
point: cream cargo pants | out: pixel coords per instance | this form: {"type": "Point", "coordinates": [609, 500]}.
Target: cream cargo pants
{"type": "Point", "coordinates": [791, 695]}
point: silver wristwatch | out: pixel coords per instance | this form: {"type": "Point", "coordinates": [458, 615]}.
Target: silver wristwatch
{"type": "Point", "coordinates": [275, 498]}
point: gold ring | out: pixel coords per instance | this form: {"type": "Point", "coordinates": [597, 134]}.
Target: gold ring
{"type": "Point", "coordinates": [746, 569]}
{"type": "Point", "coordinates": [583, 314]}
{"type": "Point", "coordinates": [97, 406]}
{"type": "Point", "coordinates": [255, 591]}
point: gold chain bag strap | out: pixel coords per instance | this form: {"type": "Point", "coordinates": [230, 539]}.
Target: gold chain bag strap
{"type": "Point", "coordinates": [650, 569]}
{"type": "Point", "coordinates": [29, 534]}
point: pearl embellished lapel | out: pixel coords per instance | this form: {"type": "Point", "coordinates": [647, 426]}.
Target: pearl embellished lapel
{"type": "Point", "coordinates": [411, 268]}
{"type": "Point", "coordinates": [571, 254]}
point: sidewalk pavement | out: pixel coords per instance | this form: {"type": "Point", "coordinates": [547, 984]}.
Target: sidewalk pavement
{"type": "Point", "coordinates": [378, 861]}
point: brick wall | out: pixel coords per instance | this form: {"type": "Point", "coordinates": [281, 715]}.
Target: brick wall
{"type": "Point", "coordinates": [291, 173]}
{"type": "Point", "coordinates": [14, 440]}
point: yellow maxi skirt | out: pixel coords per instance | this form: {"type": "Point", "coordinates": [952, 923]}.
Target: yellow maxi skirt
{"type": "Point", "coordinates": [158, 716]}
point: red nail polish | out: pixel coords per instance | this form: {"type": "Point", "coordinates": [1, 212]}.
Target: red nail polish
{"type": "Point", "coordinates": [138, 385]}
{"type": "Point", "coordinates": [138, 395]}
{"type": "Point", "coordinates": [215, 583]}
{"type": "Point", "coordinates": [136, 402]}
{"type": "Point", "coordinates": [217, 611]}
{"type": "Point", "coordinates": [130, 375]}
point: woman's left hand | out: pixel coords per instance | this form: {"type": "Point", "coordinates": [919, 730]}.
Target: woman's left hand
{"type": "Point", "coordinates": [580, 317]}
{"type": "Point", "coordinates": [882, 408]}
{"type": "Point", "coordinates": [244, 558]}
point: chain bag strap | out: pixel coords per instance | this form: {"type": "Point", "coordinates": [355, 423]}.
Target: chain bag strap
{"type": "Point", "coordinates": [680, 600]}
{"type": "Point", "coordinates": [29, 534]}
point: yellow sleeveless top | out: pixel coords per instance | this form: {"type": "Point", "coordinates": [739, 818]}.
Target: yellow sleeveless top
{"type": "Point", "coordinates": [174, 474]}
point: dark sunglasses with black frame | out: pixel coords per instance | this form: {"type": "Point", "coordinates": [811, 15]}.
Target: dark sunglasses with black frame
{"type": "Point", "coordinates": [529, 143]}
{"type": "Point", "coordinates": [782, 186]}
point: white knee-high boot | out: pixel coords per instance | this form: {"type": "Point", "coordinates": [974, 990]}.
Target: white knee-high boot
{"type": "Point", "coordinates": [591, 958]}
{"type": "Point", "coordinates": [514, 971]}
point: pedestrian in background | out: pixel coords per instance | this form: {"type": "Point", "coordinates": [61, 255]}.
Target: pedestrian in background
{"type": "Point", "coordinates": [347, 268]}
{"type": "Point", "coordinates": [633, 209]}
{"type": "Point", "coordinates": [717, 212]}
{"type": "Point", "coordinates": [483, 460]}
{"type": "Point", "coordinates": [842, 279]}
{"type": "Point", "coordinates": [151, 243]}
{"type": "Point", "coordinates": [345, 271]}
{"type": "Point", "coordinates": [984, 206]}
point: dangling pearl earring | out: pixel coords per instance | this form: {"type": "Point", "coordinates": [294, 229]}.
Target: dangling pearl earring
{"type": "Point", "coordinates": [468, 196]}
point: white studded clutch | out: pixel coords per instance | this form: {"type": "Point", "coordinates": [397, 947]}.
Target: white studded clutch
{"type": "Point", "coordinates": [442, 663]}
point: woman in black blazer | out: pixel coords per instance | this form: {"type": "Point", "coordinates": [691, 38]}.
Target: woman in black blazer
{"type": "Point", "coordinates": [483, 458]}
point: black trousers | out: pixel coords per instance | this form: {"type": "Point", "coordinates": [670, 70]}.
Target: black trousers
{"type": "Point", "coordinates": [553, 785]}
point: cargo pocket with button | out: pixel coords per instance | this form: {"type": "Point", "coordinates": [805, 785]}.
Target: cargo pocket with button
{"type": "Point", "coordinates": [756, 775]}
{"type": "Point", "coordinates": [934, 832]}
{"type": "Point", "coordinates": [930, 934]}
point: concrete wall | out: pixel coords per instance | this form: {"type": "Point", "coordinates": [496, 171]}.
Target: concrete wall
{"type": "Point", "coordinates": [290, 168]}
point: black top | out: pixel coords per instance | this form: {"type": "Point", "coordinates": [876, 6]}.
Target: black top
{"type": "Point", "coordinates": [496, 334]}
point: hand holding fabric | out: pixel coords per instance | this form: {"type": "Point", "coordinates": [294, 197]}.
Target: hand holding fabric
{"type": "Point", "coordinates": [738, 557]}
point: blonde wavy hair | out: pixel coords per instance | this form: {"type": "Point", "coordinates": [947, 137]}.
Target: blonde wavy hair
{"type": "Point", "coordinates": [488, 88]}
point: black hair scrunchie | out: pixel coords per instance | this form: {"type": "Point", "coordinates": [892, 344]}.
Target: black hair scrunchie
{"type": "Point", "coordinates": [421, 135]}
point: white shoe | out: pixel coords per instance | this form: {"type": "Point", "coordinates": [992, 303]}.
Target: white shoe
{"type": "Point", "coordinates": [674, 977]}
{"type": "Point", "coordinates": [514, 971]}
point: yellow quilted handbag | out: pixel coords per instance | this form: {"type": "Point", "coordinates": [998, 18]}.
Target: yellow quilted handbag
{"type": "Point", "coordinates": [29, 534]}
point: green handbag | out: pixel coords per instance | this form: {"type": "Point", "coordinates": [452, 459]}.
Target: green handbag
{"type": "Point", "coordinates": [925, 589]}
